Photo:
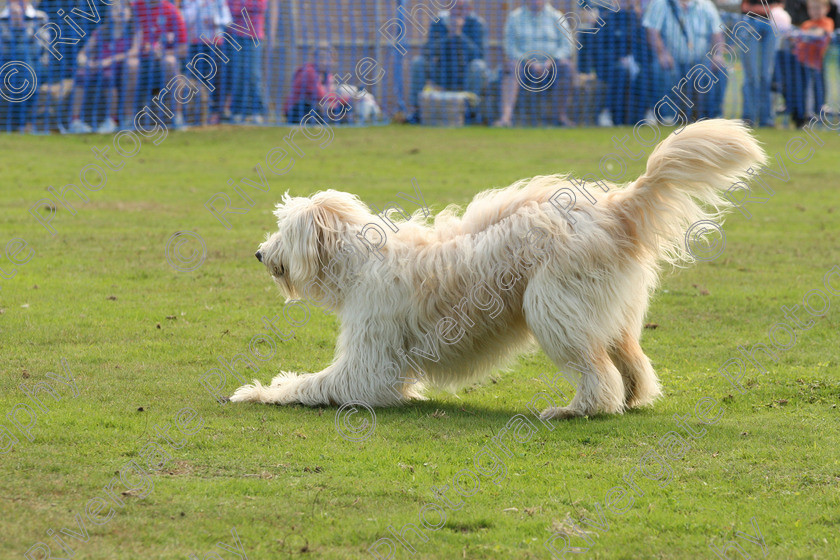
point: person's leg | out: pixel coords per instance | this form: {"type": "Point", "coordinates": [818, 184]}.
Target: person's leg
{"type": "Point", "coordinates": [226, 81]}
{"type": "Point", "coordinates": [169, 69]}
{"type": "Point", "coordinates": [258, 104]}
{"type": "Point", "coordinates": [131, 71]}
{"type": "Point", "coordinates": [112, 103]}
{"type": "Point", "coordinates": [710, 102]}
{"type": "Point", "coordinates": [800, 91]}
{"type": "Point", "coordinates": [27, 108]}
{"type": "Point", "coordinates": [510, 91]}
{"type": "Point", "coordinates": [769, 41]}
{"type": "Point", "coordinates": [248, 95]}
{"type": "Point", "coordinates": [807, 94]}
{"type": "Point", "coordinates": [669, 79]}
{"type": "Point", "coordinates": [79, 88]}
{"type": "Point", "coordinates": [477, 77]}
{"type": "Point", "coordinates": [722, 74]}
{"type": "Point", "coordinates": [238, 82]}
{"type": "Point", "coordinates": [617, 84]}
{"type": "Point", "coordinates": [417, 82]}
{"type": "Point", "coordinates": [298, 111]}
{"type": "Point", "coordinates": [637, 97]}
{"type": "Point", "coordinates": [785, 69]}
{"type": "Point", "coordinates": [818, 79]}
{"type": "Point", "coordinates": [752, 60]}
{"type": "Point", "coordinates": [565, 85]}
{"type": "Point", "coordinates": [475, 81]}
{"type": "Point", "coordinates": [216, 96]}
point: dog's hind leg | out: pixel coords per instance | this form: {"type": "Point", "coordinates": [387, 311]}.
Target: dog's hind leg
{"type": "Point", "coordinates": [640, 382]}
{"type": "Point", "coordinates": [600, 388]}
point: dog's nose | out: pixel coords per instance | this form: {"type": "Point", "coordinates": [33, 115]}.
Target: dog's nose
{"type": "Point", "coordinates": [258, 255]}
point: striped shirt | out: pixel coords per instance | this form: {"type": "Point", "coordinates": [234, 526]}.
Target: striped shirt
{"type": "Point", "coordinates": [701, 21]}
{"type": "Point", "coordinates": [526, 31]}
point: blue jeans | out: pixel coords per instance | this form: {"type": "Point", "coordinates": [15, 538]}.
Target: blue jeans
{"type": "Point", "coordinates": [19, 112]}
{"type": "Point", "coordinates": [759, 61]}
{"type": "Point", "coordinates": [798, 81]}
{"type": "Point", "coordinates": [626, 96]}
{"type": "Point", "coordinates": [243, 81]}
{"type": "Point", "coordinates": [815, 80]}
{"type": "Point", "coordinates": [704, 104]}
{"type": "Point", "coordinates": [216, 95]}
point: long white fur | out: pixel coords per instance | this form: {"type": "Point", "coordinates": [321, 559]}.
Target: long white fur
{"type": "Point", "coordinates": [583, 293]}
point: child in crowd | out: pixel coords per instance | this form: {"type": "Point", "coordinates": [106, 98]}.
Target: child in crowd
{"type": "Point", "coordinates": [810, 44]}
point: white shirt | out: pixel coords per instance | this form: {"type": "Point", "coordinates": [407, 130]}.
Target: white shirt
{"type": "Point", "coordinates": [206, 17]}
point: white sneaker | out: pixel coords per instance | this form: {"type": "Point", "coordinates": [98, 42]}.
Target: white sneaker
{"type": "Point", "coordinates": [178, 122]}
{"type": "Point", "coordinates": [79, 127]}
{"type": "Point", "coordinates": [650, 118]}
{"type": "Point", "coordinates": [605, 119]}
{"type": "Point", "coordinates": [108, 126]}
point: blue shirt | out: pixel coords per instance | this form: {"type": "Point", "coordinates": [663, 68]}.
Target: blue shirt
{"type": "Point", "coordinates": [542, 32]}
{"type": "Point", "coordinates": [701, 21]}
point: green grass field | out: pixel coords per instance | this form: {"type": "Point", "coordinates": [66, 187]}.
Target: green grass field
{"type": "Point", "coordinates": [138, 336]}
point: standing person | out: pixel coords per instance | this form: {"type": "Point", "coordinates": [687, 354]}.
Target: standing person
{"type": "Point", "coordinates": [759, 61]}
{"type": "Point", "coordinates": [453, 56]}
{"type": "Point", "coordinates": [206, 18]}
{"type": "Point", "coordinates": [101, 64]}
{"type": "Point", "coordinates": [164, 42]}
{"type": "Point", "coordinates": [681, 33]}
{"type": "Point", "coordinates": [19, 22]}
{"type": "Point", "coordinates": [244, 95]}
{"type": "Point", "coordinates": [810, 44]}
{"type": "Point", "coordinates": [541, 32]}
{"type": "Point", "coordinates": [622, 59]}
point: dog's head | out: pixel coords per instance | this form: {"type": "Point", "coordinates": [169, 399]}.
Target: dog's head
{"type": "Point", "coordinates": [313, 233]}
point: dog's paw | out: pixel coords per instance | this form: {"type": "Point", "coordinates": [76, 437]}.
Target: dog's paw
{"type": "Point", "coordinates": [247, 393]}
{"type": "Point", "coordinates": [646, 399]}
{"type": "Point", "coordinates": [559, 413]}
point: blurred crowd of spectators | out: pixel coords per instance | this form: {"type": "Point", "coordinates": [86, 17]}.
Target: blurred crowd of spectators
{"type": "Point", "coordinates": [640, 50]}
{"type": "Point", "coordinates": [135, 48]}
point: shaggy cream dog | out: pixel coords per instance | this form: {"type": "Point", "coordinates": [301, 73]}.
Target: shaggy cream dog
{"type": "Point", "coordinates": [439, 305]}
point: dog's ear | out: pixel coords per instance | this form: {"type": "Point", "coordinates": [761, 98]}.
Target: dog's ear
{"type": "Point", "coordinates": [319, 230]}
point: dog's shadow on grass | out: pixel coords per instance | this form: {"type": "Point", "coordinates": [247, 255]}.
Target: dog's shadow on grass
{"type": "Point", "coordinates": [468, 414]}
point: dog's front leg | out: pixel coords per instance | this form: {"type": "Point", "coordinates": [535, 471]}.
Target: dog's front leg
{"type": "Point", "coordinates": [286, 388]}
{"type": "Point", "coordinates": [342, 382]}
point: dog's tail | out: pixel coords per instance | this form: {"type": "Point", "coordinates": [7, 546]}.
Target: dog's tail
{"type": "Point", "coordinates": [684, 185]}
